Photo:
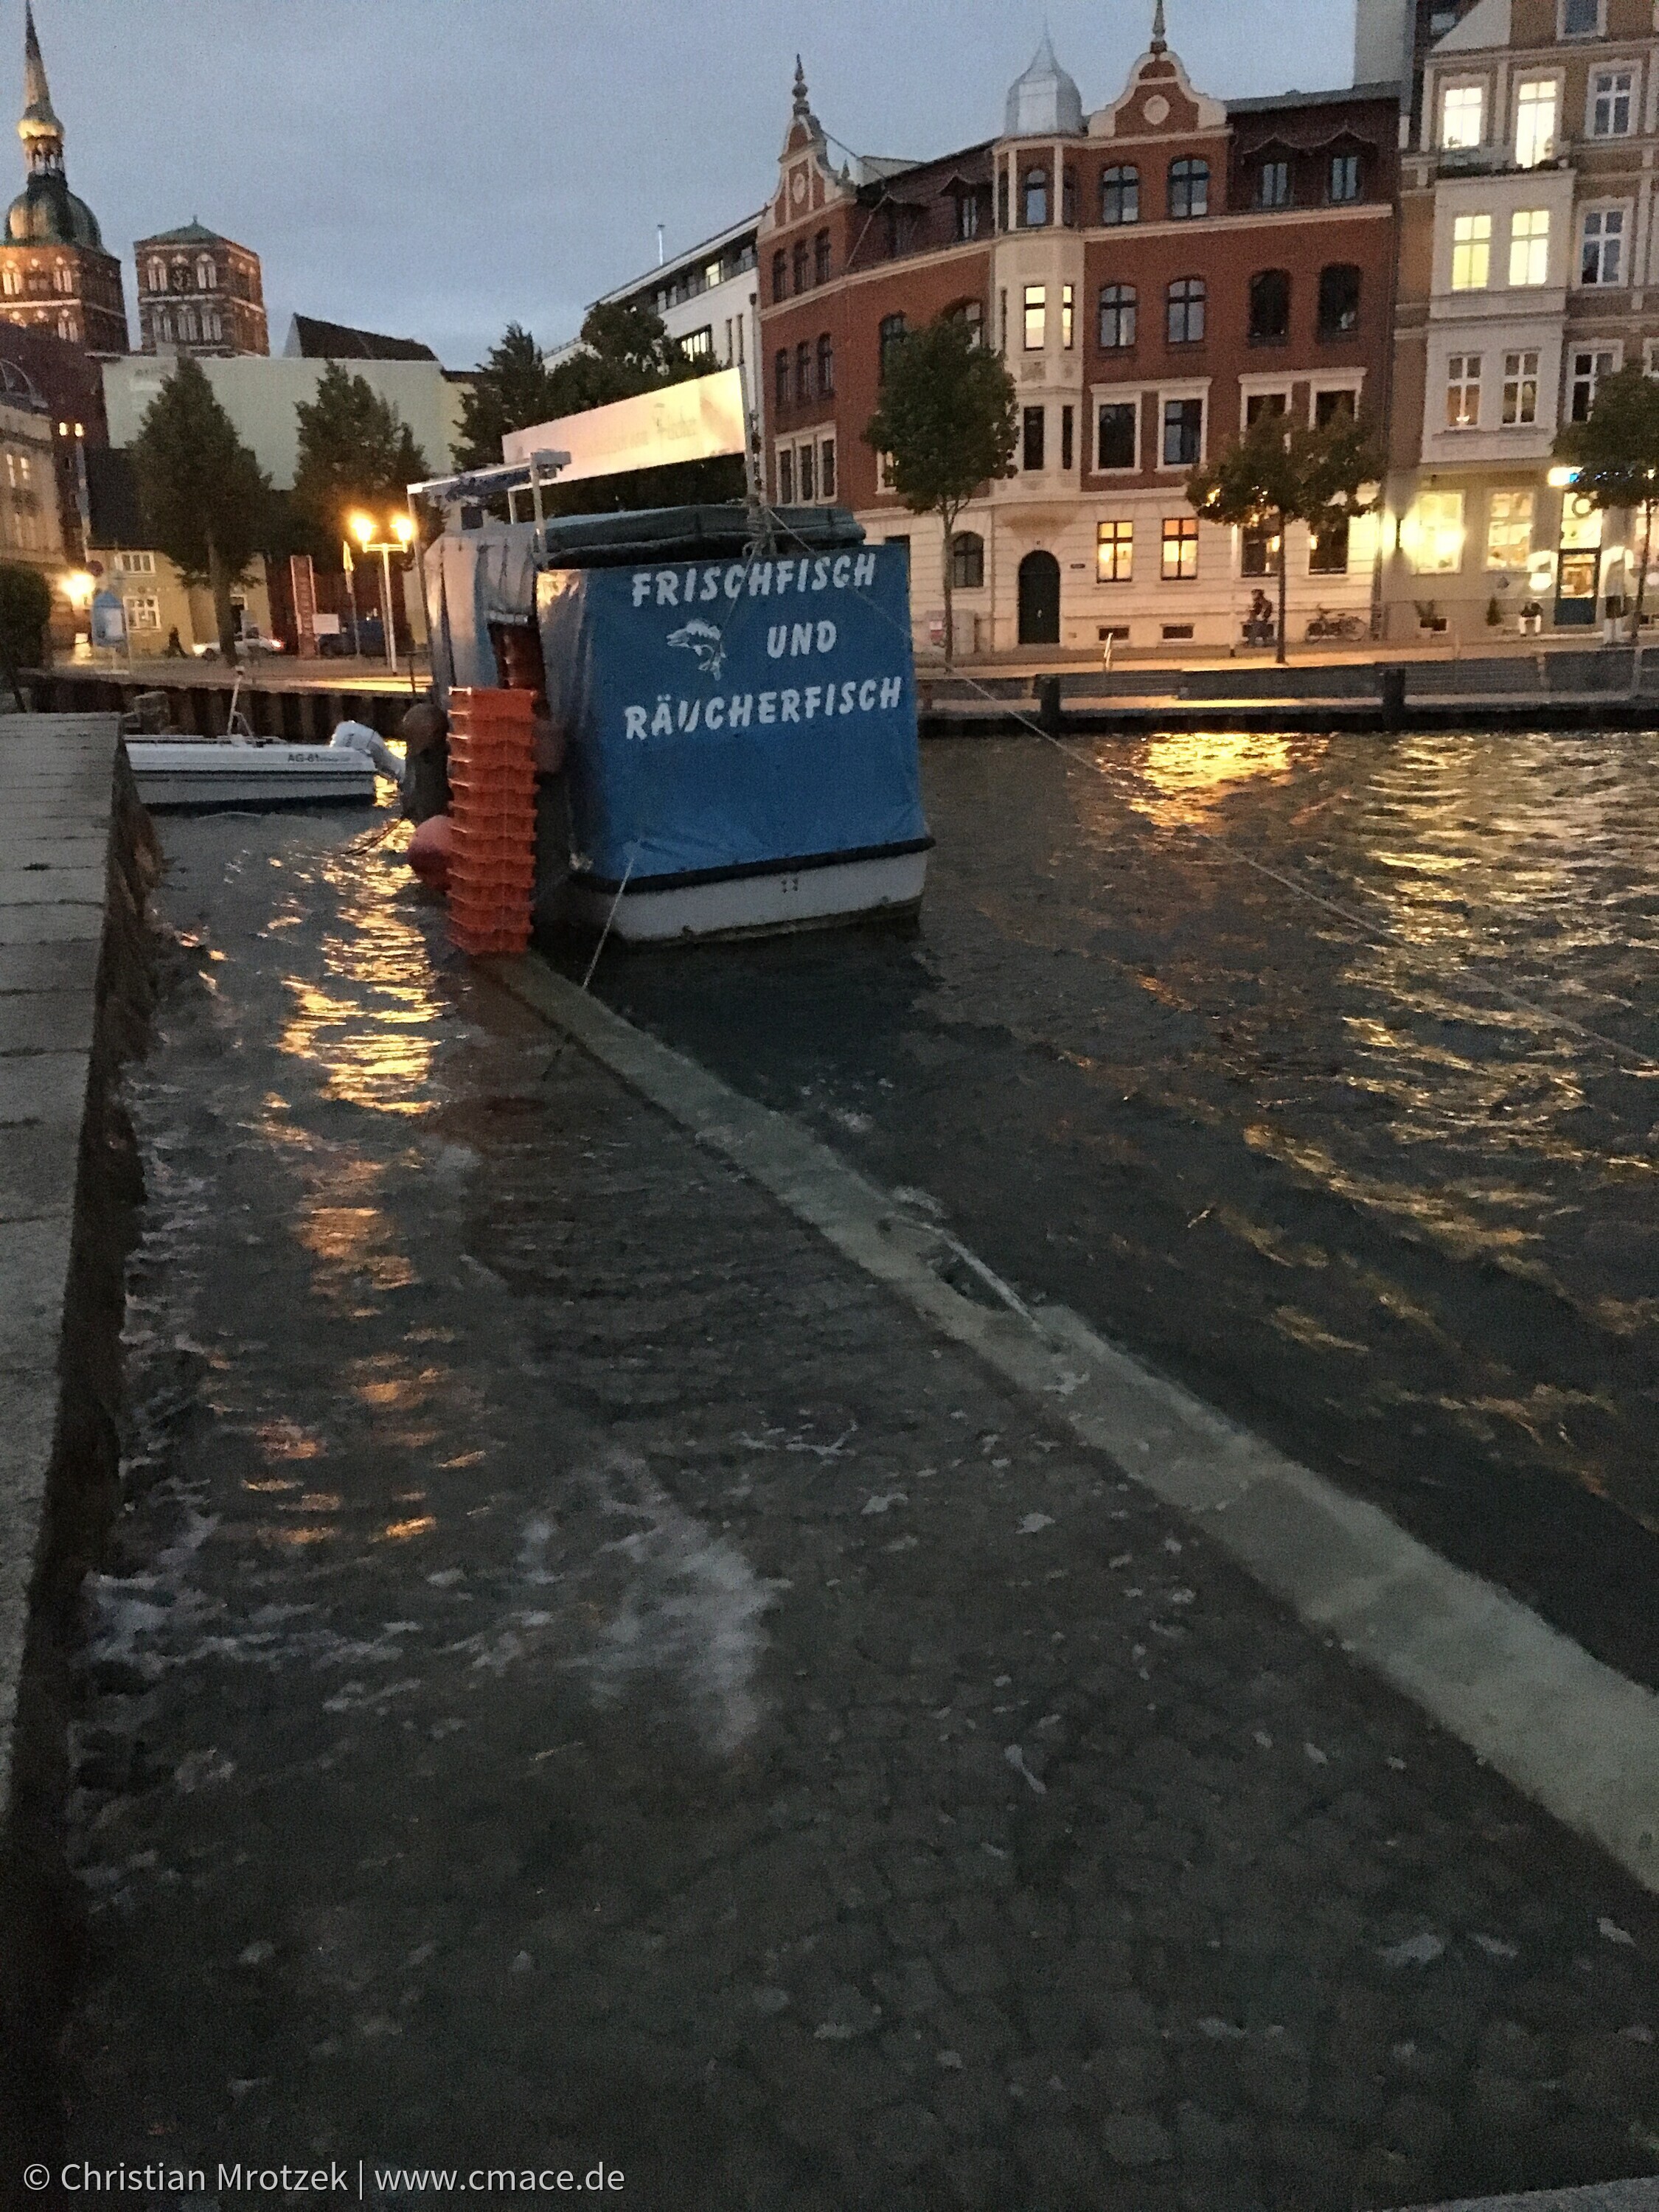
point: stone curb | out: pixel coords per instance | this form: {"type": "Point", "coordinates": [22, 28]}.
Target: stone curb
{"type": "Point", "coordinates": [1573, 1735]}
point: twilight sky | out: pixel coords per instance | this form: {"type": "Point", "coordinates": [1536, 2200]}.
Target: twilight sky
{"type": "Point", "coordinates": [436, 168]}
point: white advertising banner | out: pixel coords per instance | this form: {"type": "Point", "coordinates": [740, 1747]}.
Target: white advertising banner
{"type": "Point", "coordinates": [697, 421]}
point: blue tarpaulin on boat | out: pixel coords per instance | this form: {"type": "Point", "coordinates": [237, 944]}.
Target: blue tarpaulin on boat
{"type": "Point", "coordinates": [729, 714]}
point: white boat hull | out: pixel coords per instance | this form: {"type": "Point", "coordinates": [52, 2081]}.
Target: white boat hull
{"type": "Point", "coordinates": [740, 906]}
{"type": "Point", "coordinates": [178, 773]}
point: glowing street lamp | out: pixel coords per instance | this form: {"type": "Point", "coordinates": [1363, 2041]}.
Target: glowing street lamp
{"type": "Point", "coordinates": [401, 528]}
{"type": "Point", "coordinates": [77, 588]}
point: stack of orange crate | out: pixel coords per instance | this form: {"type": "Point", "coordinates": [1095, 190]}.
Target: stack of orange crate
{"type": "Point", "coordinates": [492, 804]}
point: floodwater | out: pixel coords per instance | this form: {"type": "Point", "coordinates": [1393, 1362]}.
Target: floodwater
{"type": "Point", "coordinates": [1323, 1072]}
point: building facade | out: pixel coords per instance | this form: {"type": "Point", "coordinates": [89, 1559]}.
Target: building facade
{"type": "Point", "coordinates": [55, 274]}
{"type": "Point", "coordinates": [199, 293]}
{"type": "Point", "coordinates": [1155, 275]}
{"type": "Point", "coordinates": [709, 299]}
{"type": "Point", "coordinates": [1528, 262]}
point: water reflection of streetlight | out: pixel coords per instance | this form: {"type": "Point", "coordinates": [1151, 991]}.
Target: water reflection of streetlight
{"type": "Point", "coordinates": [402, 529]}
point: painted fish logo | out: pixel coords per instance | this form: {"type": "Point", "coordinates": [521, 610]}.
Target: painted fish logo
{"type": "Point", "coordinates": [703, 640]}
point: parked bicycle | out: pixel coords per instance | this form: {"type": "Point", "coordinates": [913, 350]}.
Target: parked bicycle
{"type": "Point", "coordinates": [1325, 624]}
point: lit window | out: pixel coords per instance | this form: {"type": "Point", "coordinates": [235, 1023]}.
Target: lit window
{"type": "Point", "coordinates": [1189, 189]}
{"type": "Point", "coordinates": [1434, 533]}
{"type": "Point", "coordinates": [1463, 116]}
{"type": "Point", "coordinates": [1180, 548]}
{"type": "Point", "coordinates": [1508, 530]}
{"type": "Point", "coordinates": [1602, 260]}
{"type": "Point", "coordinates": [1471, 269]}
{"type": "Point", "coordinates": [1258, 551]}
{"type": "Point", "coordinates": [1534, 122]}
{"type": "Point", "coordinates": [1588, 370]}
{"type": "Point", "coordinates": [1117, 317]}
{"type": "Point", "coordinates": [1032, 454]}
{"type": "Point", "coordinates": [1067, 304]}
{"type": "Point", "coordinates": [1183, 433]}
{"type": "Point", "coordinates": [11, 283]}
{"type": "Point", "coordinates": [1610, 103]}
{"type": "Point", "coordinates": [1529, 247]}
{"type": "Point", "coordinates": [1464, 392]}
{"type": "Point", "coordinates": [695, 345]}
{"type": "Point", "coordinates": [1120, 197]}
{"type": "Point", "coordinates": [1114, 448]}
{"type": "Point", "coordinates": [144, 611]}
{"type": "Point", "coordinates": [1343, 180]}
{"type": "Point", "coordinates": [1520, 390]}
{"type": "Point", "coordinates": [1114, 553]}
{"type": "Point", "coordinates": [1187, 302]}
{"type": "Point", "coordinates": [1037, 317]}
{"type": "Point", "coordinates": [1273, 184]}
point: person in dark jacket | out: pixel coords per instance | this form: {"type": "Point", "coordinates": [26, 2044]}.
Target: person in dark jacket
{"type": "Point", "coordinates": [425, 732]}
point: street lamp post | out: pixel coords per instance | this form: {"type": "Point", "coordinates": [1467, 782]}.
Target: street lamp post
{"type": "Point", "coordinates": [402, 530]}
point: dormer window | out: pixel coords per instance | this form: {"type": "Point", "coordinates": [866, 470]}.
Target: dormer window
{"type": "Point", "coordinates": [1344, 179]}
{"type": "Point", "coordinates": [1189, 189]}
{"type": "Point", "coordinates": [1035, 198]}
{"type": "Point", "coordinates": [1273, 184]}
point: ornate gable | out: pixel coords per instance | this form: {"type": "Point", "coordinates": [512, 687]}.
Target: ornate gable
{"type": "Point", "coordinates": [1158, 101]}
{"type": "Point", "coordinates": [808, 180]}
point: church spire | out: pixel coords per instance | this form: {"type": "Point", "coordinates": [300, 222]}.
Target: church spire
{"type": "Point", "coordinates": [41, 132]}
{"type": "Point", "coordinates": [803, 105]}
{"type": "Point", "coordinates": [1160, 41]}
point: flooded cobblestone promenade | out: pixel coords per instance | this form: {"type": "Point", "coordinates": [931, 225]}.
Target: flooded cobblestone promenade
{"type": "Point", "coordinates": [1324, 1073]}
{"type": "Point", "coordinates": [583, 1676]}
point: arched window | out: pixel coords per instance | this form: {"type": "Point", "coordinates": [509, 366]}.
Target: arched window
{"type": "Point", "coordinates": [893, 329]}
{"type": "Point", "coordinates": [207, 275]}
{"type": "Point", "coordinates": [800, 265]}
{"type": "Point", "coordinates": [826, 366]}
{"type": "Point", "coordinates": [65, 323]}
{"type": "Point", "coordinates": [156, 275]}
{"type": "Point", "coordinates": [821, 258]}
{"type": "Point", "coordinates": [164, 324]}
{"type": "Point", "coordinates": [1338, 300]}
{"type": "Point", "coordinates": [211, 327]}
{"type": "Point", "coordinates": [781, 377]}
{"type": "Point", "coordinates": [1188, 298]}
{"type": "Point", "coordinates": [780, 276]}
{"type": "Point", "coordinates": [1270, 307]}
{"type": "Point", "coordinates": [187, 324]}
{"type": "Point", "coordinates": [1117, 316]}
{"type": "Point", "coordinates": [1189, 188]}
{"type": "Point", "coordinates": [11, 283]}
{"type": "Point", "coordinates": [1119, 196]}
{"type": "Point", "coordinates": [967, 561]}
{"type": "Point", "coordinates": [1034, 199]}
{"type": "Point", "coordinates": [802, 372]}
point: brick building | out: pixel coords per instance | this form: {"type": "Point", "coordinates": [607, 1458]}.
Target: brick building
{"type": "Point", "coordinates": [1154, 274]}
{"type": "Point", "coordinates": [199, 293]}
{"type": "Point", "coordinates": [55, 274]}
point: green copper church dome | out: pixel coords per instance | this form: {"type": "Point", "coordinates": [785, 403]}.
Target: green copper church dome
{"type": "Point", "coordinates": [47, 213]}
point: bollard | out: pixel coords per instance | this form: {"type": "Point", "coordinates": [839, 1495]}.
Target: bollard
{"type": "Point", "coordinates": [1048, 692]}
{"type": "Point", "coordinates": [1393, 698]}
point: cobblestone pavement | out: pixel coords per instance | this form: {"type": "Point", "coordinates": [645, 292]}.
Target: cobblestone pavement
{"type": "Point", "coordinates": [584, 1677]}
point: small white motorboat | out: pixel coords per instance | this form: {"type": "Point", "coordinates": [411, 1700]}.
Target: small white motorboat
{"type": "Point", "coordinates": [246, 772]}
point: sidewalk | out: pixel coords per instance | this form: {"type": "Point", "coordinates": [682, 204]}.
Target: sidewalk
{"type": "Point", "coordinates": [588, 1677]}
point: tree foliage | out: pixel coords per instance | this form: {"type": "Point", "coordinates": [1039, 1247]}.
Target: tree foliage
{"type": "Point", "coordinates": [1616, 453]}
{"type": "Point", "coordinates": [25, 610]}
{"type": "Point", "coordinates": [623, 351]}
{"type": "Point", "coordinates": [355, 451]}
{"type": "Point", "coordinates": [1280, 473]}
{"type": "Point", "coordinates": [949, 419]}
{"type": "Point", "coordinates": [206, 499]}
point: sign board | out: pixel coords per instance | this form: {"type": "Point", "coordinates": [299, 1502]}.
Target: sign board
{"type": "Point", "coordinates": [726, 716]}
{"type": "Point", "coordinates": [109, 620]}
{"type": "Point", "coordinates": [303, 579]}
{"type": "Point", "coordinates": [697, 421]}
{"type": "Point", "coordinates": [325, 625]}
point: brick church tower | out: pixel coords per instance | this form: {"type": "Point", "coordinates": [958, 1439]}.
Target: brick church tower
{"type": "Point", "coordinates": [55, 273]}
